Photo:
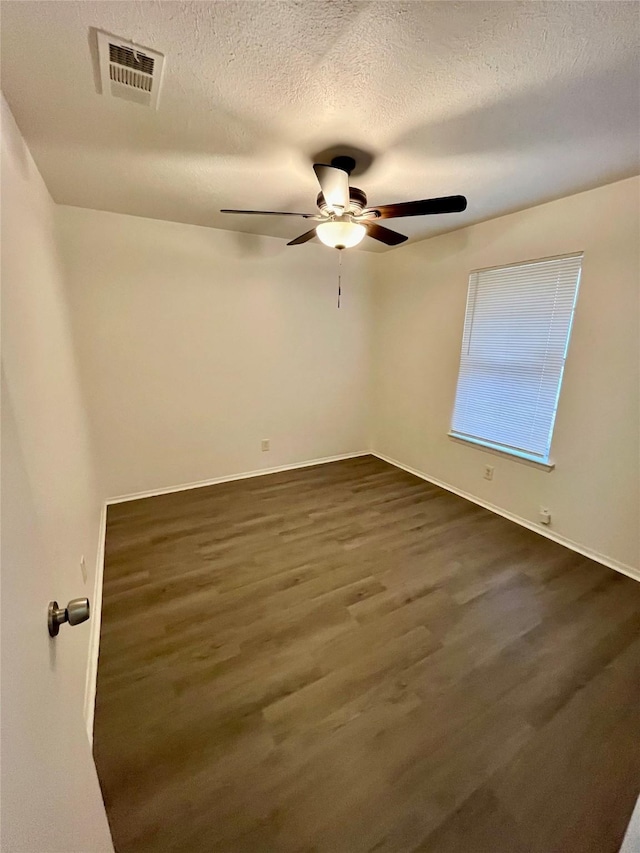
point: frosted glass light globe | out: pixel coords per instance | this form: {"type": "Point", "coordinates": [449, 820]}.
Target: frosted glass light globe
{"type": "Point", "coordinates": [340, 234]}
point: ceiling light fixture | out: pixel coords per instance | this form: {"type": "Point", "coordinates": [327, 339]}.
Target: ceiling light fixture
{"type": "Point", "coordinates": [340, 233]}
{"type": "Point", "coordinates": [342, 210]}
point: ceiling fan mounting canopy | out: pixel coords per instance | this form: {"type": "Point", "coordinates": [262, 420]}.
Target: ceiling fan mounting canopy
{"type": "Point", "coordinates": [343, 216]}
{"type": "Point", "coordinates": [347, 164]}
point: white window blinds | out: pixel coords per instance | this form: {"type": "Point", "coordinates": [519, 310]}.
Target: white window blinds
{"type": "Point", "coordinates": [516, 334]}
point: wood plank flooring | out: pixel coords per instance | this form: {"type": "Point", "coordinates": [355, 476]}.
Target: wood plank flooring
{"type": "Point", "coordinates": [346, 659]}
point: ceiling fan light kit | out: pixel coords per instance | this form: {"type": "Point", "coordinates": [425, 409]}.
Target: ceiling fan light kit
{"type": "Point", "coordinates": [340, 233]}
{"type": "Point", "coordinates": [344, 216]}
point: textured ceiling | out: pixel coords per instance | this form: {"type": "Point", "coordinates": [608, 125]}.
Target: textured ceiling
{"type": "Point", "coordinates": [508, 103]}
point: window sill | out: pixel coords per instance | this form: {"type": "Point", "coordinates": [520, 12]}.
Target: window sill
{"type": "Point", "coordinates": [541, 466]}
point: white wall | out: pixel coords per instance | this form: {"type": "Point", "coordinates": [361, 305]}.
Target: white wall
{"type": "Point", "coordinates": [420, 303]}
{"type": "Point", "coordinates": [196, 343]}
{"type": "Point", "coordinates": [50, 516]}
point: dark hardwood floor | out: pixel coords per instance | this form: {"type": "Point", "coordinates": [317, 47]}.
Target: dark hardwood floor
{"type": "Point", "coordinates": [345, 658]}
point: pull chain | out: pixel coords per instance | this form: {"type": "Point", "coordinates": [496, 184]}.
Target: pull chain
{"type": "Point", "coordinates": [339, 275]}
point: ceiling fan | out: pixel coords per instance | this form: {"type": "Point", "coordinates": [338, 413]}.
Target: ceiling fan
{"type": "Point", "coordinates": [344, 218]}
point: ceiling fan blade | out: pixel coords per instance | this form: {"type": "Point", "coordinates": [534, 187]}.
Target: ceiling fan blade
{"type": "Point", "coordinates": [303, 238]}
{"type": "Point", "coordinates": [272, 213]}
{"type": "Point", "coordinates": [334, 184]}
{"type": "Point", "coordinates": [384, 235]}
{"type": "Point", "coordinates": [446, 204]}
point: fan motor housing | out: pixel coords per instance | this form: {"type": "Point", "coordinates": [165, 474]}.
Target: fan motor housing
{"type": "Point", "coordinates": [357, 201]}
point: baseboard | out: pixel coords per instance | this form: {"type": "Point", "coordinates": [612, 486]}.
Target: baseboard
{"type": "Point", "coordinates": [631, 841]}
{"type": "Point", "coordinates": [214, 481]}
{"type": "Point", "coordinates": [94, 636]}
{"type": "Point", "coordinates": [624, 569]}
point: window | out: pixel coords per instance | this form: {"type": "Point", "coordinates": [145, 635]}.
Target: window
{"type": "Point", "coordinates": [516, 334]}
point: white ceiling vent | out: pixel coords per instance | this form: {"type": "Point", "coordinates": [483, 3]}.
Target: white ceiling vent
{"type": "Point", "coordinates": [129, 71]}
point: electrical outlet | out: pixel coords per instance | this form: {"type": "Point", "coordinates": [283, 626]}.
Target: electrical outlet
{"type": "Point", "coordinates": [265, 444]}
{"type": "Point", "coordinates": [545, 515]}
{"type": "Point", "coordinates": [83, 568]}
{"type": "Point", "coordinates": [488, 472]}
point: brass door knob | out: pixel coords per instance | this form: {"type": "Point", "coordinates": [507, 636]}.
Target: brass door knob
{"type": "Point", "coordinates": [77, 610]}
